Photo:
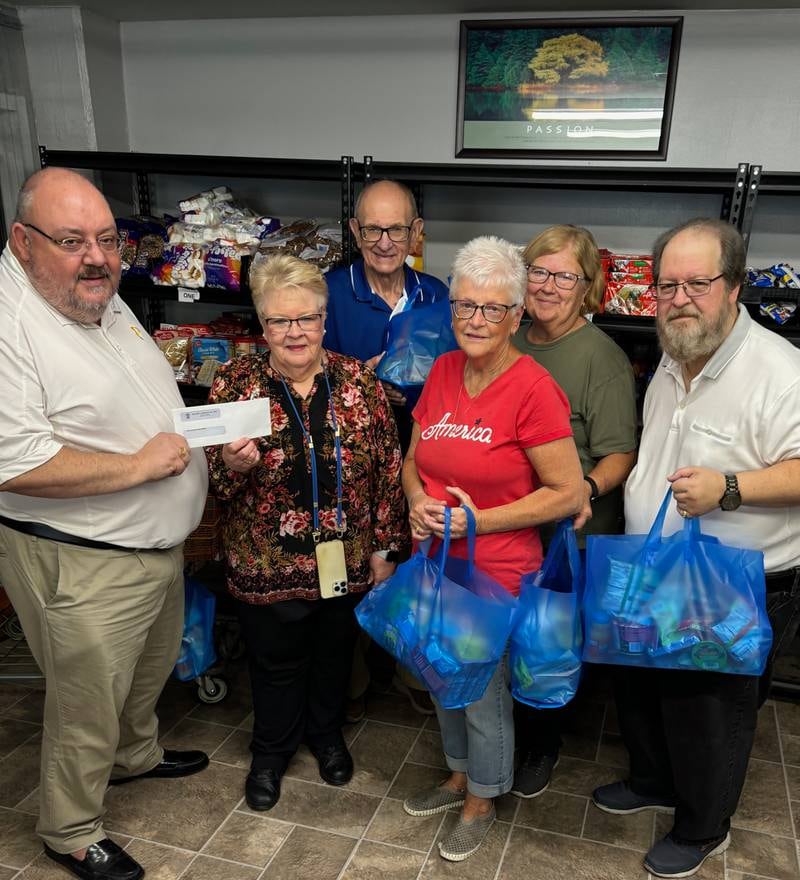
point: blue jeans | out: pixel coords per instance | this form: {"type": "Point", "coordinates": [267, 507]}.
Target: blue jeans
{"type": "Point", "coordinates": [479, 739]}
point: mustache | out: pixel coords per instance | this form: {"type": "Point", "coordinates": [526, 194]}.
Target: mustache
{"type": "Point", "coordinates": [94, 272]}
{"type": "Point", "coordinates": [683, 313]}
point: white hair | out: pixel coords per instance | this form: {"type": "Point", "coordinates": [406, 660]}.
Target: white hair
{"type": "Point", "coordinates": [489, 261]}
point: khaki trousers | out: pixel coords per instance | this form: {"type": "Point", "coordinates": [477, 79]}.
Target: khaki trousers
{"type": "Point", "coordinates": [105, 628]}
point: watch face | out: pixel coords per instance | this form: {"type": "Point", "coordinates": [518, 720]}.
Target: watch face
{"type": "Point", "coordinates": [731, 502]}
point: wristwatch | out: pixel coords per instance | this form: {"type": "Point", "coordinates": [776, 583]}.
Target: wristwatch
{"type": "Point", "coordinates": [731, 499]}
{"type": "Point", "coordinates": [594, 492]}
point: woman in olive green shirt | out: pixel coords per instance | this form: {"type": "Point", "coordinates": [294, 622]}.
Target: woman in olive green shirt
{"type": "Point", "coordinates": [565, 282]}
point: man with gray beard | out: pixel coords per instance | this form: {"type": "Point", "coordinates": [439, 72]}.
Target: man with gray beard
{"type": "Point", "coordinates": [96, 497]}
{"type": "Point", "coordinates": [722, 427]}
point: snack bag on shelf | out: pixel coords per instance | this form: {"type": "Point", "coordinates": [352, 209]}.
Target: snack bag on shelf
{"type": "Point", "coordinates": [629, 298]}
{"type": "Point", "coordinates": [223, 264]}
{"type": "Point", "coordinates": [182, 265]}
{"type": "Point", "coordinates": [208, 355]}
{"type": "Point", "coordinates": [176, 346]}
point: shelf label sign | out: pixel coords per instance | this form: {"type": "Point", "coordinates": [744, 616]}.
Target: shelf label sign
{"type": "Point", "coordinates": [188, 295]}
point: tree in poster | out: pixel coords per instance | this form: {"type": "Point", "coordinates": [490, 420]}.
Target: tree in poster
{"type": "Point", "coordinates": [570, 56]}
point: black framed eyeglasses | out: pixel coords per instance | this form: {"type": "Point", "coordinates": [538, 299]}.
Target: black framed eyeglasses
{"type": "Point", "coordinates": [563, 280]}
{"type": "Point", "coordinates": [396, 233]}
{"type": "Point", "coordinates": [494, 313]}
{"type": "Point", "coordinates": [74, 244]}
{"type": "Point", "coordinates": [306, 323]}
{"type": "Point", "coordinates": [693, 287]}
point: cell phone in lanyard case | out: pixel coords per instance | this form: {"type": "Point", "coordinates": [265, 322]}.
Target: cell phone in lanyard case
{"type": "Point", "coordinates": [331, 563]}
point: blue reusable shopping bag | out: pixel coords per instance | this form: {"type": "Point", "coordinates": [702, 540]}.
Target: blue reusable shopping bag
{"type": "Point", "coordinates": [197, 644]}
{"type": "Point", "coordinates": [681, 602]}
{"type": "Point", "coordinates": [545, 647]}
{"type": "Point", "coordinates": [443, 619]}
{"type": "Point", "coordinates": [416, 337]}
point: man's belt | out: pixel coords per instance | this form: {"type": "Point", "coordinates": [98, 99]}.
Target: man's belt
{"type": "Point", "coordinates": [39, 530]}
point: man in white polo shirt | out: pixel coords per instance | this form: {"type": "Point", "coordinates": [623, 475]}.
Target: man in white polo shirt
{"type": "Point", "coordinates": [96, 498]}
{"type": "Point", "coordinates": [722, 426]}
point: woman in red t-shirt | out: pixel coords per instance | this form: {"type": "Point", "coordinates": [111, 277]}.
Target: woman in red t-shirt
{"type": "Point", "coordinates": [491, 432]}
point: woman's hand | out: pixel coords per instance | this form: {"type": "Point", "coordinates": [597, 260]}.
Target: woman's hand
{"type": "Point", "coordinates": [434, 514]}
{"type": "Point", "coordinates": [420, 520]}
{"type": "Point", "coordinates": [380, 569]}
{"type": "Point", "coordinates": [241, 455]}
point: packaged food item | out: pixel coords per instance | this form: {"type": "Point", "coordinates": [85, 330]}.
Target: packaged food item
{"type": "Point", "coordinates": [182, 265]}
{"type": "Point", "coordinates": [151, 245]}
{"type": "Point", "coordinates": [780, 312]}
{"type": "Point", "coordinates": [629, 298]}
{"type": "Point", "coordinates": [223, 264]}
{"type": "Point", "coordinates": [208, 355]}
{"type": "Point", "coordinates": [130, 232]}
{"type": "Point", "coordinates": [176, 347]}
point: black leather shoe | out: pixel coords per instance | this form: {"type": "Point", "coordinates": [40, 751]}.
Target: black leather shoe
{"type": "Point", "coordinates": [335, 764]}
{"type": "Point", "coordinates": [262, 789]}
{"type": "Point", "coordinates": [173, 764]}
{"type": "Point", "coordinates": [104, 861]}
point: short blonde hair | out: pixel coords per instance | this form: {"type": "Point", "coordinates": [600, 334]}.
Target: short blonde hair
{"type": "Point", "coordinates": [269, 274]}
{"type": "Point", "coordinates": [489, 261]}
{"type": "Point", "coordinates": [584, 249]}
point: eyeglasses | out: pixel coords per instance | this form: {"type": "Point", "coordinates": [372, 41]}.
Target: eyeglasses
{"type": "Point", "coordinates": [563, 280]}
{"type": "Point", "coordinates": [693, 288]}
{"type": "Point", "coordinates": [494, 313]}
{"type": "Point", "coordinates": [306, 323]}
{"type": "Point", "coordinates": [374, 233]}
{"type": "Point", "coordinates": [73, 244]}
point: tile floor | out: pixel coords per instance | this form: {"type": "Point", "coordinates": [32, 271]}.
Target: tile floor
{"type": "Point", "coordinates": [199, 828]}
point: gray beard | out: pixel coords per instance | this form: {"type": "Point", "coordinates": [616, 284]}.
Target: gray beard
{"type": "Point", "coordinates": [698, 341]}
{"type": "Point", "coordinates": [66, 301]}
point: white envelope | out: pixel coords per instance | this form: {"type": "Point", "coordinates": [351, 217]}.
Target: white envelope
{"type": "Point", "coordinates": [218, 423]}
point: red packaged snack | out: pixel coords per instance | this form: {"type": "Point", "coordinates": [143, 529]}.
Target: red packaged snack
{"type": "Point", "coordinates": [629, 298]}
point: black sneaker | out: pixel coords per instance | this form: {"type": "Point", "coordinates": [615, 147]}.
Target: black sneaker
{"type": "Point", "coordinates": [532, 777]}
{"type": "Point", "coordinates": [672, 858]}
{"type": "Point", "coordinates": [620, 799]}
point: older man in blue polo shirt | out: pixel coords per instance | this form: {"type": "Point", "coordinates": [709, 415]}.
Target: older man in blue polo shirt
{"type": "Point", "coordinates": [365, 296]}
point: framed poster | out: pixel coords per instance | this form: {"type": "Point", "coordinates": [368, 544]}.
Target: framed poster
{"type": "Point", "coordinates": [567, 88]}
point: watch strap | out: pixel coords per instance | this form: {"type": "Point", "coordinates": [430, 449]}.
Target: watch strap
{"type": "Point", "coordinates": [594, 494]}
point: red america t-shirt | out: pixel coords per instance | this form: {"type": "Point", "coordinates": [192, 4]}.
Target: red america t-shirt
{"type": "Point", "coordinates": [478, 444]}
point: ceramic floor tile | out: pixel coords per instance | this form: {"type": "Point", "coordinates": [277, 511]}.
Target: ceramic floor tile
{"type": "Point", "coordinates": [480, 866]}
{"type": "Point", "coordinates": [796, 817]}
{"type": "Point", "coordinates": [788, 717]}
{"type": "Point", "coordinates": [235, 750]}
{"type": "Point", "coordinates": [791, 749]}
{"type": "Point", "coordinates": [190, 733]}
{"type": "Point", "coordinates": [766, 745]}
{"type": "Point", "coordinates": [42, 868]}
{"type": "Point", "coordinates": [11, 694]}
{"type": "Point", "coordinates": [581, 731]}
{"type": "Point", "coordinates": [556, 857]}
{"type": "Point", "coordinates": [7, 873]}
{"type": "Point", "coordinates": [324, 807]}
{"type": "Point", "coordinates": [574, 776]}
{"type": "Point", "coordinates": [392, 824]}
{"type": "Point", "coordinates": [247, 723]}
{"type": "Point", "coordinates": [415, 778]}
{"type": "Point", "coordinates": [19, 843]}
{"type": "Point", "coordinates": [181, 812]}
{"type": "Point", "coordinates": [30, 803]}
{"type": "Point", "coordinates": [764, 805]}
{"type": "Point", "coordinates": [19, 773]}
{"type": "Point", "coordinates": [432, 723]}
{"type": "Point", "coordinates": [206, 868]}
{"type": "Point", "coordinates": [303, 766]}
{"type": "Point", "coordinates": [631, 832]}
{"type": "Point", "coordinates": [176, 701]}
{"type": "Point", "coordinates": [373, 860]}
{"type": "Point", "coordinates": [793, 778]}
{"type": "Point", "coordinates": [233, 710]}
{"type": "Point", "coordinates": [612, 751]}
{"type": "Point", "coordinates": [553, 811]}
{"type": "Point", "coordinates": [506, 807]}
{"type": "Point", "coordinates": [753, 853]}
{"type": "Point", "coordinates": [247, 838]}
{"type": "Point", "coordinates": [428, 749]}
{"type": "Point", "coordinates": [13, 733]}
{"type": "Point", "coordinates": [29, 708]}
{"type": "Point", "coordinates": [393, 709]}
{"type": "Point", "coordinates": [378, 752]}
{"type": "Point", "coordinates": [160, 862]}
{"type": "Point", "coordinates": [311, 854]}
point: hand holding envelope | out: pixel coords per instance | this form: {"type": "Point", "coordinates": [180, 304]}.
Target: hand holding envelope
{"type": "Point", "coordinates": [219, 424]}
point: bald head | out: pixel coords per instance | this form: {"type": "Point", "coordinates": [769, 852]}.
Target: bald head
{"type": "Point", "coordinates": [50, 183]}
{"type": "Point", "coordinates": [384, 191]}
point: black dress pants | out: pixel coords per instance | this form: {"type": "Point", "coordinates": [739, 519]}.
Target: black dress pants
{"type": "Point", "coordinates": [689, 734]}
{"type": "Point", "coordinates": [299, 658]}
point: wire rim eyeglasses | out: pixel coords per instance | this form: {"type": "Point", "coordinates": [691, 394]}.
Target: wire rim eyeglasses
{"type": "Point", "coordinates": [306, 323]}
{"type": "Point", "coordinates": [563, 280]}
{"type": "Point", "coordinates": [494, 313]}
{"type": "Point", "coordinates": [74, 244]}
{"type": "Point", "coordinates": [396, 233]}
{"type": "Point", "coordinates": [692, 287]}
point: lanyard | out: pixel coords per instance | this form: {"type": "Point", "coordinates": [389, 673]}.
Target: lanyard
{"type": "Point", "coordinates": [313, 456]}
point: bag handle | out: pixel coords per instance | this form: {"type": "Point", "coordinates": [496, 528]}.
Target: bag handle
{"type": "Point", "coordinates": [563, 543]}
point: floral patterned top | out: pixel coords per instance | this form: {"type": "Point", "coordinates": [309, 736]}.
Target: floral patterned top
{"type": "Point", "coordinates": [267, 513]}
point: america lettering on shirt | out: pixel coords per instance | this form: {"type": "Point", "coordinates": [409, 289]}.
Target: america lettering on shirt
{"type": "Point", "coordinates": [444, 428]}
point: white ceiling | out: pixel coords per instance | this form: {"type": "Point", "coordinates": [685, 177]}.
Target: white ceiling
{"type": "Point", "coordinates": [172, 10]}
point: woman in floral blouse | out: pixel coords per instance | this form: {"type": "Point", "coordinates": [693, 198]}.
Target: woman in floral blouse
{"type": "Point", "coordinates": [299, 644]}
